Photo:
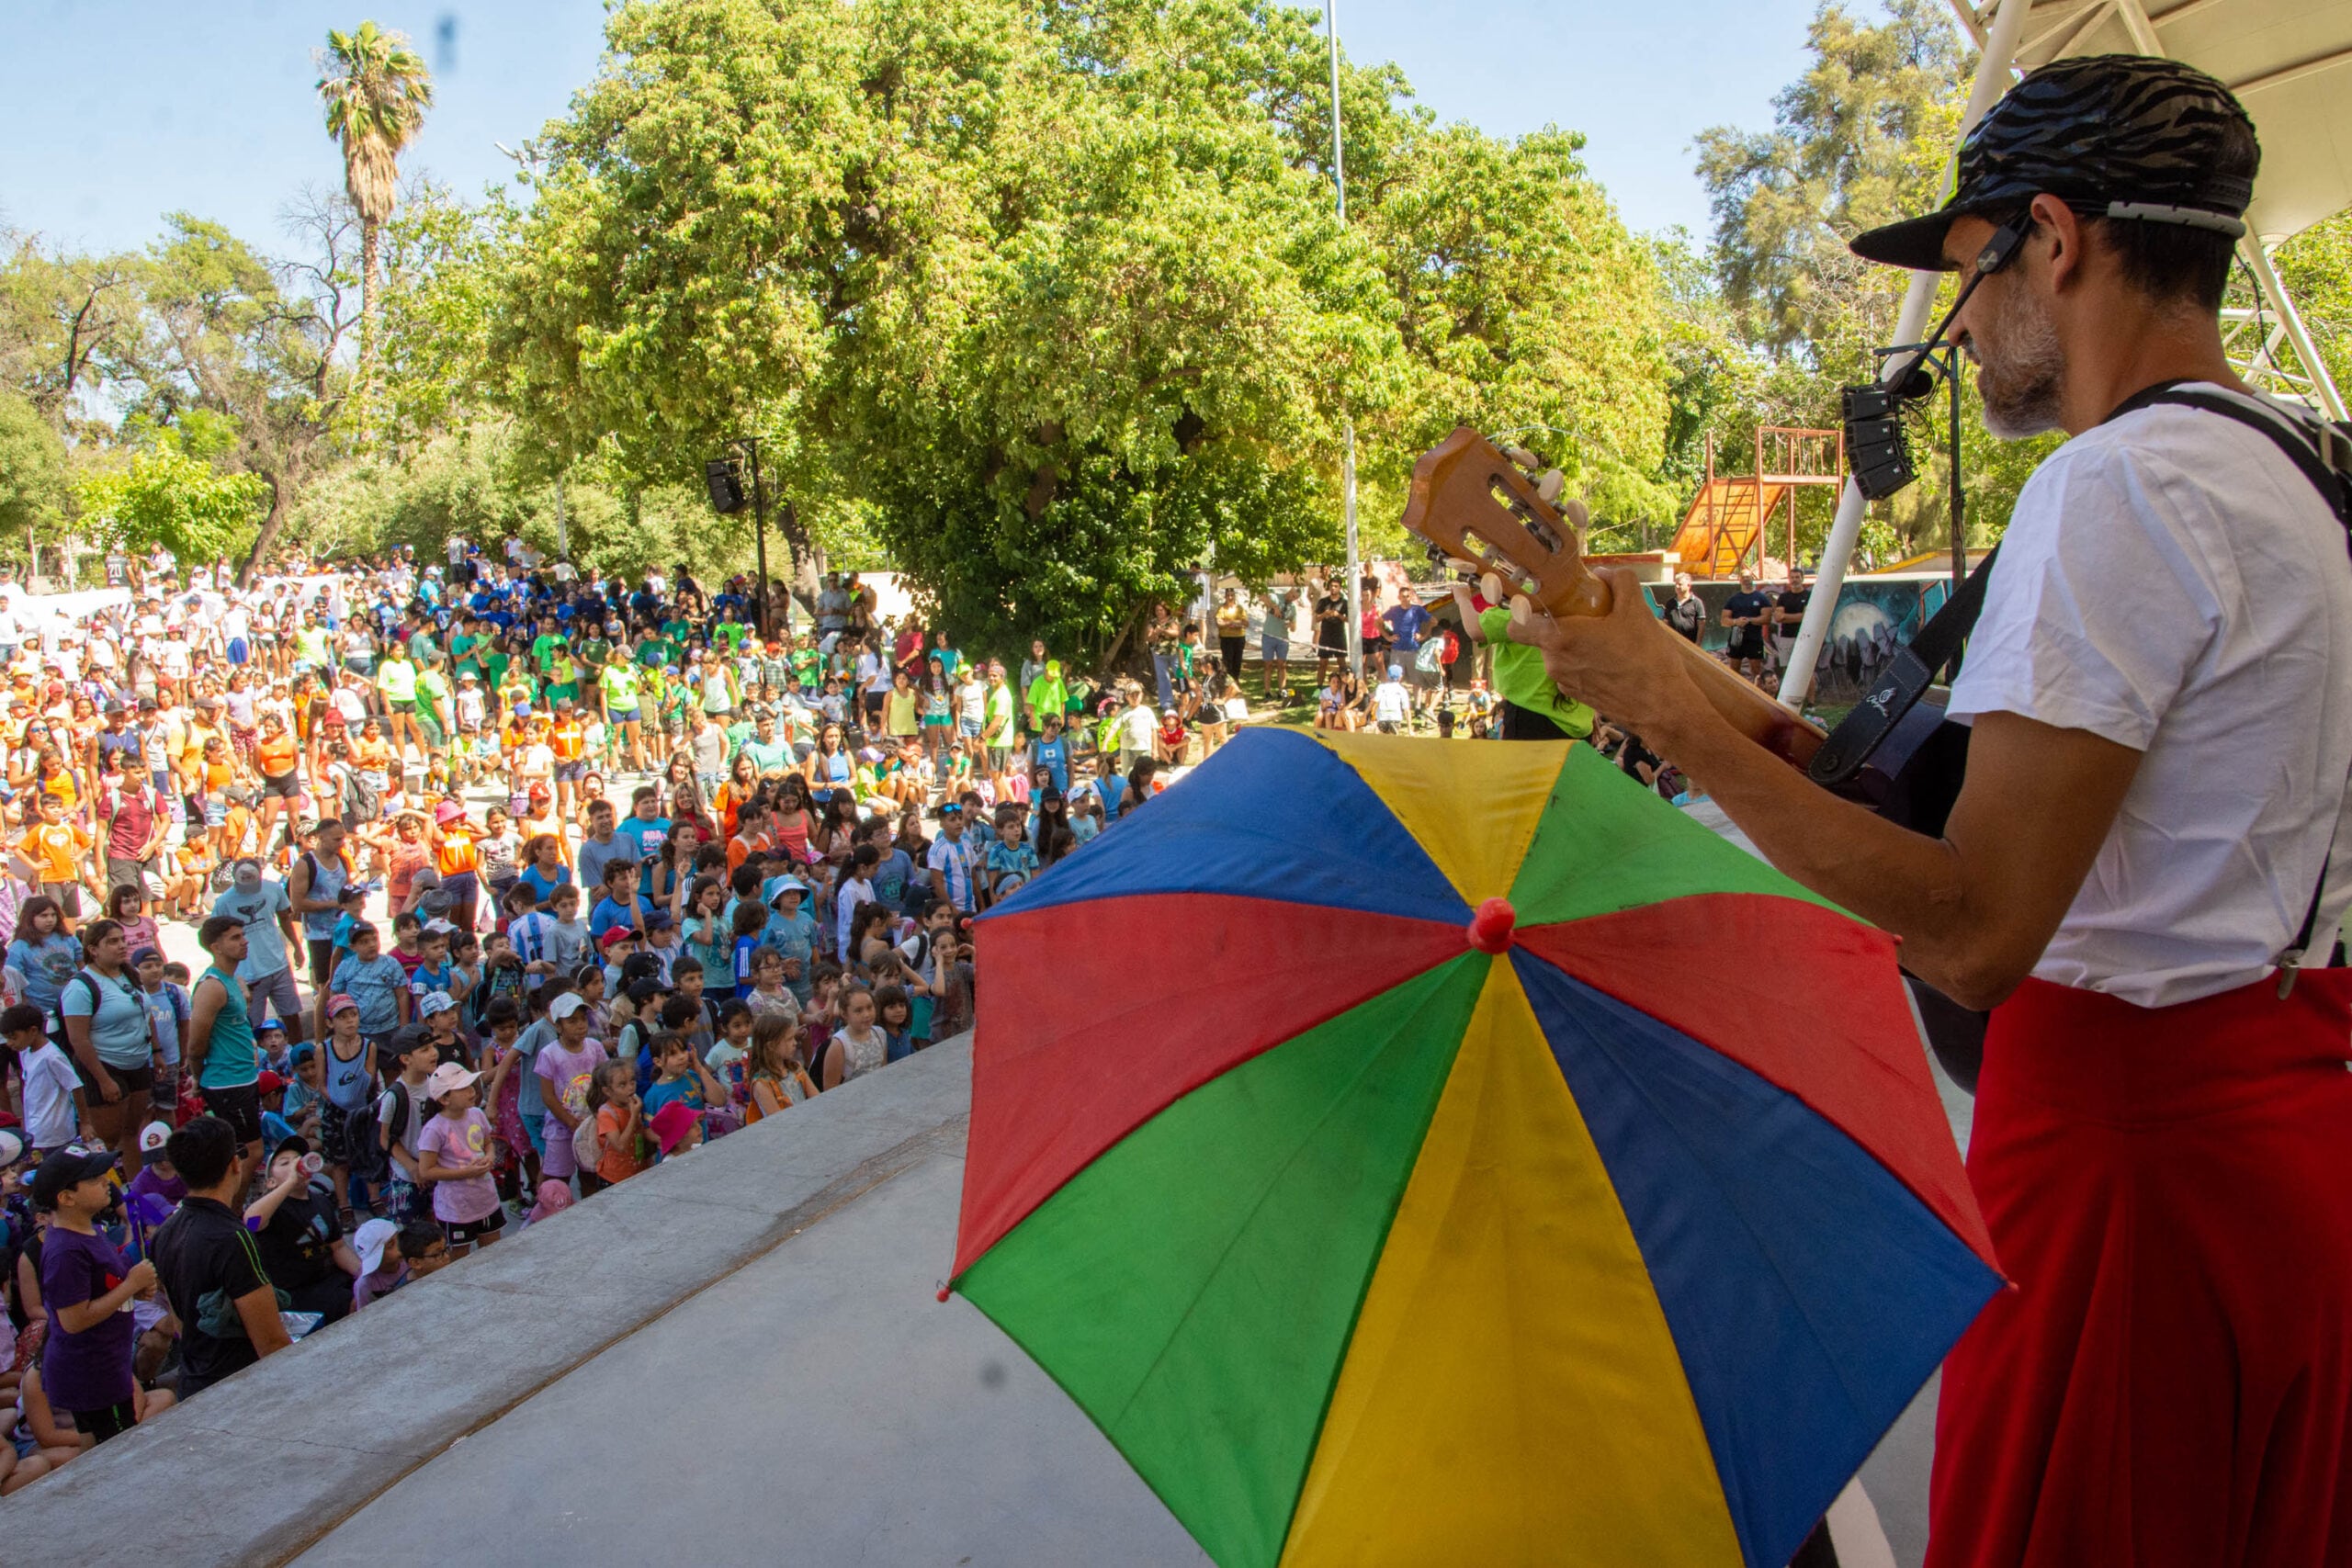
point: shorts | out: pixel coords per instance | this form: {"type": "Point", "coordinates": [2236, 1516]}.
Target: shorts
{"type": "Point", "coordinates": [111, 1422]}
{"type": "Point", "coordinates": [1273, 647]}
{"type": "Point", "coordinates": [969, 728]}
{"type": "Point", "coordinates": [394, 705]}
{"type": "Point", "coordinates": [130, 1080]}
{"type": "Point", "coordinates": [68, 896]}
{"type": "Point", "coordinates": [1425, 680]}
{"type": "Point", "coordinates": [285, 786]}
{"type": "Point", "coordinates": [466, 1232]}
{"type": "Point", "coordinates": [622, 715]}
{"type": "Point", "coordinates": [569, 773]}
{"type": "Point", "coordinates": [323, 958]}
{"type": "Point", "coordinates": [1000, 757]}
{"type": "Point", "coordinates": [536, 1129]}
{"type": "Point", "coordinates": [240, 1107]}
{"type": "Point", "coordinates": [1333, 641]}
{"type": "Point", "coordinates": [215, 810]}
{"type": "Point", "coordinates": [238, 650]}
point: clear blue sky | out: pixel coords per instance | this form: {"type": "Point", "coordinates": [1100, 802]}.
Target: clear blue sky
{"type": "Point", "coordinates": [114, 112]}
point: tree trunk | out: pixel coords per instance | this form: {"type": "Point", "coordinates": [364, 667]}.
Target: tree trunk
{"type": "Point", "coordinates": [268, 535]}
{"type": "Point", "coordinates": [807, 560]}
{"type": "Point", "coordinates": [1111, 655]}
{"type": "Point", "coordinates": [371, 244]}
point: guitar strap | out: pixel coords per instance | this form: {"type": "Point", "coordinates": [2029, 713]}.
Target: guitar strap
{"type": "Point", "coordinates": [1905, 680]}
{"type": "Point", "coordinates": [2321, 451]}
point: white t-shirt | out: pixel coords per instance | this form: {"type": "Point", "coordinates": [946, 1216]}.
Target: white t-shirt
{"type": "Point", "coordinates": [1137, 725]}
{"type": "Point", "coordinates": [50, 1083]}
{"type": "Point", "coordinates": [1391, 702]}
{"type": "Point", "coordinates": [2171, 582]}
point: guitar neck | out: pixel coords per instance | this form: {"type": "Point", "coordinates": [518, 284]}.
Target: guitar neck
{"type": "Point", "coordinates": [1754, 714]}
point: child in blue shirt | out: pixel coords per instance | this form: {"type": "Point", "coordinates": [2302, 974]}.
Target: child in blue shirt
{"type": "Point", "coordinates": [374, 979]}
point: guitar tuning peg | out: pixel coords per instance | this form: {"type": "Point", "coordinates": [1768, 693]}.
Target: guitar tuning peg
{"type": "Point", "coordinates": [1524, 457]}
{"type": "Point", "coordinates": [1548, 488]}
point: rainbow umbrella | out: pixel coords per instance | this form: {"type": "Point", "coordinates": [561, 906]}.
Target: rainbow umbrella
{"type": "Point", "coordinates": [1426, 1153]}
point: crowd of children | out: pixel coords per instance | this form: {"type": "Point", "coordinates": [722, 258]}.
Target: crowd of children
{"type": "Point", "coordinates": [444, 983]}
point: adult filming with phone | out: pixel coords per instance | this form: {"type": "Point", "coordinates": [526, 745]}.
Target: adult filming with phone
{"type": "Point", "coordinates": [2146, 867]}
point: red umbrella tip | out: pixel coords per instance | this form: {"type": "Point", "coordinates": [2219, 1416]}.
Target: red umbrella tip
{"type": "Point", "coordinates": [943, 1292]}
{"type": "Point", "coordinates": [1491, 927]}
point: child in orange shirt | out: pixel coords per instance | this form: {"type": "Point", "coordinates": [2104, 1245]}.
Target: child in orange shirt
{"type": "Point", "coordinates": [612, 1097]}
{"type": "Point", "coordinates": [54, 849]}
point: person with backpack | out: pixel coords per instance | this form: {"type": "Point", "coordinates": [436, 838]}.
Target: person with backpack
{"type": "Point", "coordinates": [314, 892]}
{"type": "Point", "coordinates": [103, 1022]}
{"type": "Point", "coordinates": [167, 1011]}
{"type": "Point", "coordinates": [563, 1066]}
{"type": "Point", "coordinates": [348, 1085]}
{"type": "Point", "coordinates": [392, 1127]}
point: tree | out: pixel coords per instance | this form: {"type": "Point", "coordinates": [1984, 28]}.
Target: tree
{"type": "Point", "coordinates": [33, 489]}
{"type": "Point", "coordinates": [1861, 139]}
{"type": "Point", "coordinates": [2316, 267]}
{"type": "Point", "coordinates": [376, 90]}
{"type": "Point", "coordinates": [63, 319]}
{"type": "Point", "coordinates": [260, 346]}
{"type": "Point", "coordinates": [168, 496]}
{"type": "Point", "coordinates": [1052, 304]}
{"type": "Point", "coordinates": [1525, 307]}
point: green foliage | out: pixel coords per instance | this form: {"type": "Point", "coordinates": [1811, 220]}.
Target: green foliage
{"type": "Point", "coordinates": [1528, 308]}
{"type": "Point", "coordinates": [168, 496]}
{"type": "Point", "coordinates": [1862, 138]}
{"type": "Point", "coordinates": [2316, 267]}
{"type": "Point", "coordinates": [1052, 306]}
{"type": "Point", "coordinates": [33, 489]}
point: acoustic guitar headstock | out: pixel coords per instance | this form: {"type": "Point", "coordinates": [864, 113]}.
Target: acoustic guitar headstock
{"type": "Point", "coordinates": [1481, 502]}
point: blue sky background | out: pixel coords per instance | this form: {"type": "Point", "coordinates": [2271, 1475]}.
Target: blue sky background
{"type": "Point", "coordinates": [114, 112]}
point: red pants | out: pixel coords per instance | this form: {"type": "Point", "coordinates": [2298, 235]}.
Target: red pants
{"type": "Point", "coordinates": [2170, 1384]}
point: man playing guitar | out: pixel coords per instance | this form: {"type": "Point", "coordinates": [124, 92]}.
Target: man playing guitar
{"type": "Point", "coordinates": [2161, 694]}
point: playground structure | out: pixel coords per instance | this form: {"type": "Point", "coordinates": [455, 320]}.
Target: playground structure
{"type": "Point", "coordinates": [1731, 517]}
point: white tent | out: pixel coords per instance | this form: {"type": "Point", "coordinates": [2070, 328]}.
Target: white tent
{"type": "Point", "coordinates": [2289, 61]}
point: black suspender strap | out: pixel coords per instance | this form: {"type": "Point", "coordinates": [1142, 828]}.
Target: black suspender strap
{"type": "Point", "coordinates": [2323, 453]}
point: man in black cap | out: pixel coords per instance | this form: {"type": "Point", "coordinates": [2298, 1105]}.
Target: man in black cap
{"type": "Point", "coordinates": [2152, 839]}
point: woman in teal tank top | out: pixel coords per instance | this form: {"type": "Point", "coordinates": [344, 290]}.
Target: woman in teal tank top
{"type": "Point", "coordinates": [221, 1034]}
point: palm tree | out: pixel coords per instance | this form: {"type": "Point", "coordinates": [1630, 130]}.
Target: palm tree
{"type": "Point", "coordinates": [376, 90]}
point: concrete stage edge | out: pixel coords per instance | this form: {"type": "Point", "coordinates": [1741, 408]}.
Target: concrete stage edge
{"type": "Point", "coordinates": [734, 1358]}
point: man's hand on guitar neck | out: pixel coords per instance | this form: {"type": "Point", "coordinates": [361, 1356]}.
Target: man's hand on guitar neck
{"type": "Point", "coordinates": [1974, 908]}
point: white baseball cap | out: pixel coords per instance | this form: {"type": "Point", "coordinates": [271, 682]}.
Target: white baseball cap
{"type": "Point", "coordinates": [566, 1005]}
{"type": "Point", "coordinates": [370, 1241]}
{"type": "Point", "coordinates": [154, 1135]}
{"type": "Point", "coordinates": [447, 1079]}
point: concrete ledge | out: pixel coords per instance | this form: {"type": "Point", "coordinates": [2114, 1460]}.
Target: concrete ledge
{"type": "Point", "coordinates": [259, 1468]}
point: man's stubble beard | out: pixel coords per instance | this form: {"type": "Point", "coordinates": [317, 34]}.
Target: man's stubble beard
{"type": "Point", "coordinates": [2021, 371]}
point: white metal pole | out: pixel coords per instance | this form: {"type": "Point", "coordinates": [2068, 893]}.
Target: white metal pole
{"type": "Point", "coordinates": [1992, 81]}
{"type": "Point", "coordinates": [2266, 277]}
{"type": "Point", "coordinates": [1348, 467]}
{"type": "Point", "coordinates": [562, 527]}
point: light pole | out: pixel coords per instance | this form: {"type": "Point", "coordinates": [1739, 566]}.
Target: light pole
{"type": "Point", "coordinates": [1348, 463]}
